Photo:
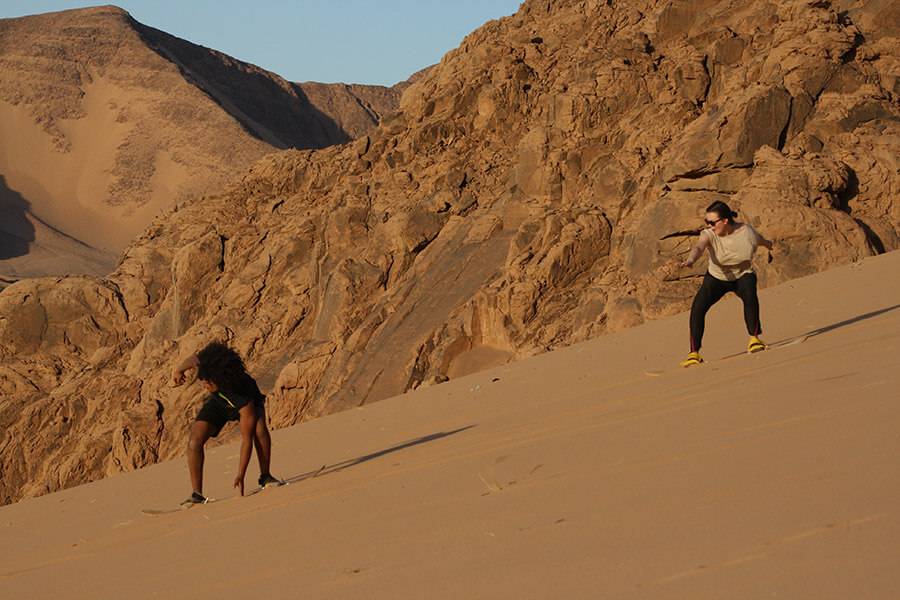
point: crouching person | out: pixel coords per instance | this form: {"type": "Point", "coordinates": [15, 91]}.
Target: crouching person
{"type": "Point", "coordinates": [233, 396]}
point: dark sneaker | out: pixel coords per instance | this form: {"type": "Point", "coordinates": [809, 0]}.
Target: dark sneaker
{"type": "Point", "coordinates": [266, 480]}
{"type": "Point", "coordinates": [193, 499]}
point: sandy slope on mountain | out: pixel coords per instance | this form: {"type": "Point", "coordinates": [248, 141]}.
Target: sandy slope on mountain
{"type": "Point", "coordinates": [69, 191]}
{"type": "Point", "coordinates": [47, 249]}
{"type": "Point", "coordinates": [106, 122]}
{"type": "Point", "coordinates": [598, 470]}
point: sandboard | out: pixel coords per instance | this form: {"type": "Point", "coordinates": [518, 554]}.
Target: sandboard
{"type": "Point", "coordinates": [289, 481]}
{"type": "Point", "coordinates": [154, 512]}
{"type": "Point", "coordinates": [259, 489]}
{"type": "Point", "coordinates": [774, 346]}
{"type": "Point", "coordinates": [781, 344]}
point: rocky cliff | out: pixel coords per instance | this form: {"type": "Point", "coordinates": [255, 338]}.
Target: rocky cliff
{"type": "Point", "coordinates": [107, 122]}
{"type": "Point", "coordinates": [537, 188]}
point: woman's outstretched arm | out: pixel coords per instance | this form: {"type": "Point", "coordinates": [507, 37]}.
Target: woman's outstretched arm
{"type": "Point", "coordinates": [698, 249]}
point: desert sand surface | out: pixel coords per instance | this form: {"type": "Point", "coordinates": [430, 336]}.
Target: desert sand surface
{"type": "Point", "coordinates": [536, 189]}
{"type": "Point", "coordinates": [602, 470]}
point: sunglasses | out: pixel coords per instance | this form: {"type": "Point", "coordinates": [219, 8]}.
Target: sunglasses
{"type": "Point", "coordinates": [711, 223]}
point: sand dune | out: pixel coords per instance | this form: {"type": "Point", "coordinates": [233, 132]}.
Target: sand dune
{"type": "Point", "coordinates": [574, 474]}
{"type": "Point", "coordinates": [527, 196]}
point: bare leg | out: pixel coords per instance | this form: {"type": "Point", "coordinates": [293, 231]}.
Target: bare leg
{"type": "Point", "coordinates": [201, 431]}
{"type": "Point", "coordinates": [262, 441]}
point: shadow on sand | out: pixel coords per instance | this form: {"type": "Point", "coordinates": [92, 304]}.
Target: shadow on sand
{"type": "Point", "coordinates": [846, 322]}
{"type": "Point", "coordinates": [327, 469]}
{"type": "Point", "coordinates": [796, 339]}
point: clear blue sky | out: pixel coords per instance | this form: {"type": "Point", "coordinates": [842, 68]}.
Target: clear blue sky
{"type": "Point", "coordinates": [352, 41]}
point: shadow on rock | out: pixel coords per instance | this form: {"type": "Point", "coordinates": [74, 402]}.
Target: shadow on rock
{"type": "Point", "coordinates": [16, 231]}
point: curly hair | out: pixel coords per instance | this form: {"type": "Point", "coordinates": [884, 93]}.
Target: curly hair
{"type": "Point", "coordinates": [222, 366]}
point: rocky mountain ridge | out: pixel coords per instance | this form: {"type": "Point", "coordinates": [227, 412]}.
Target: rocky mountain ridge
{"type": "Point", "coordinates": [537, 188]}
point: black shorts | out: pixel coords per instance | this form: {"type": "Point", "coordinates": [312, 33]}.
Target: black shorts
{"type": "Point", "coordinates": [217, 412]}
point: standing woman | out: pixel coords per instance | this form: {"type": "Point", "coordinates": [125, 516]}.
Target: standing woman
{"type": "Point", "coordinates": [731, 246]}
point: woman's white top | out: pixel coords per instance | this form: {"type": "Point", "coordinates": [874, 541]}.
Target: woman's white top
{"type": "Point", "coordinates": [730, 256]}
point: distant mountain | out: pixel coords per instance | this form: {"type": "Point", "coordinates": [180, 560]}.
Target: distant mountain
{"type": "Point", "coordinates": [106, 122]}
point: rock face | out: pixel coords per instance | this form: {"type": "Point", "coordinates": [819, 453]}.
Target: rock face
{"type": "Point", "coordinates": [537, 188]}
{"type": "Point", "coordinates": [107, 122]}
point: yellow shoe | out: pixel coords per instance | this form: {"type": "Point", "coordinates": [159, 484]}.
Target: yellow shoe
{"type": "Point", "coordinates": [755, 345]}
{"type": "Point", "coordinates": [692, 359]}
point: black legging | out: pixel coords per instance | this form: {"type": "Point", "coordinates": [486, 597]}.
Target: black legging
{"type": "Point", "coordinates": [712, 291]}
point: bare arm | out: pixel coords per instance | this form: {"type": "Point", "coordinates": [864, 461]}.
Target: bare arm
{"type": "Point", "coordinates": [769, 244]}
{"type": "Point", "coordinates": [701, 245]}
{"type": "Point", "coordinates": [191, 362]}
{"type": "Point", "coordinates": [248, 428]}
